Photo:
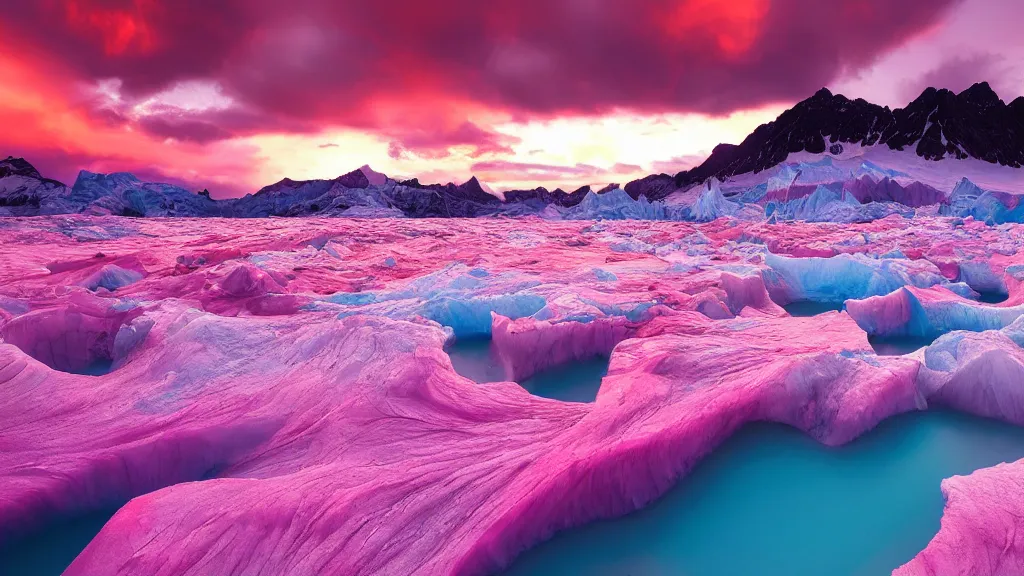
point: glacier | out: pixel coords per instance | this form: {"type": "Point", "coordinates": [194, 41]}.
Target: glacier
{"type": "Point", "coordinates": [263, 384]}
{"type": "Point", "coordinates": [301, 363]}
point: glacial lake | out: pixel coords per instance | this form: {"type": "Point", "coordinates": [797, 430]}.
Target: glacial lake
{"type": "Point", "coordinates": [773, 502]}
{"type": "Point", "coordinates": [770, 501]}
{"type": "Point", "coordinates": [49, 552]}
{"type": "Point", "coordinates": [806, 308]}
{"type": "Point", "coordinates": [571, 382]}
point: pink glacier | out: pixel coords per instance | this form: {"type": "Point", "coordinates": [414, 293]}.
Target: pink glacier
{"type": "Point", "coordinates": [281, 403]}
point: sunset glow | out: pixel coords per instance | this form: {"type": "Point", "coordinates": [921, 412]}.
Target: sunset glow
{"type": "Point", "coordinates": [518, 100]}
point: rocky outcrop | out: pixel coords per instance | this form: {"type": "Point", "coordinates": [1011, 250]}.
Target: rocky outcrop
{"type": "Point", "coordinates": [122, 194]}
{"type": "Point", "coordinates": [465, 200]}
{"type": "Point", "coordinates": [938, 124]}
{"type": "Point", "coordinates": [25, 192]}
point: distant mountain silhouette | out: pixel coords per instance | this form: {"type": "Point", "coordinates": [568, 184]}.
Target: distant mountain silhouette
{"type": "Point", "coordinates": [937, 125]}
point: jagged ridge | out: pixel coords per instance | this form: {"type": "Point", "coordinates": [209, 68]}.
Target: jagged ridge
{"type": "Point", "coordinates": [938, 124]}
{"type": "Point", "coordinates": [972, 124]}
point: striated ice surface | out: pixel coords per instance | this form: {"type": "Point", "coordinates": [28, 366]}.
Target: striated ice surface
{"type": "Point", "coordinates": [276, 397]}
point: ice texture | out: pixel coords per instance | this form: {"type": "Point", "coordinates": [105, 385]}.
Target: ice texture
{"type": "Point", "coordinates": [280, 399]}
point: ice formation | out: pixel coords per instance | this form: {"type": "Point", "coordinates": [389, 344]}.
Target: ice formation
{"type": "Point", "coordinates": [301, 364]}
{"type": "Point", "coordinates": [161, 355]}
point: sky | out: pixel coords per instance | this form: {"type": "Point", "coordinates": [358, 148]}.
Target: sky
{"type": "Point", "coordinates": [232, 95]}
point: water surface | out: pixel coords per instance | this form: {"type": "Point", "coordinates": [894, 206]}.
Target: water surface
{"type": "Point", "coordinates": [97, 367]}
{"type": "Point", "coordinates": [572, 382]}
{"type": "Point", "coordinates": [805, 308]}
{"type": "Point", "coordinates": [50, 551]}
{"type": "Point", "coordinates": [993, 297]}
{"type": "Point", "coordinates": [899, 345]}
{"type": "Point", "coordinates": [476, 359]}
{"type": "Point", "coordinates": [773, 502]}
{"type": "Point", "coordinates": [576, 381]}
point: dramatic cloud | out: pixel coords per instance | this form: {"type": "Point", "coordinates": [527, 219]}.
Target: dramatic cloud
{"type": "Point", "coordinates": [975, 40]}
{"type": "Point", "coordinates": [44, 121]}
{"type": "Point", "coordinates": [678, 163]}
{"type": "Point", "coordinates": [437, 82]}
{"type": "Point", "coordinates": [498, 170]}
{"type": "Point", "coordinates": [960, 72]}
{"type": "Point", "coordinates": [321, 59]}
{"type": "Point", "coordinates": [437, 141]}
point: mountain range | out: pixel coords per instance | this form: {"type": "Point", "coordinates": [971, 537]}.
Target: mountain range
{"type": "Point", "coordinates": [828, 155]}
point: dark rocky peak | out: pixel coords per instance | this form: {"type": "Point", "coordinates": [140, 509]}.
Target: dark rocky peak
{"type": "Point", "coordinates": [938, 124]}
{"type": "Point", "coordinates": [465, 200]}
{"type": "Point", "coordinates": [24, 192]}
{"type": "Point", "coordinates": [725, 148]}
{"type": "Point", "coordinates": [470, 190]}
{"type": "Point", "coordinates": [823, 95]}
{"type": "Point", "coordinates": [608, 188]}
{"type": "Point", "coordinates": [975, 123]}
{"type": "Point", "coordinates": [472, 187]}
{"type": "Point", "coordinates": [813, 125]}
{"type": "Point", "coordinates": [539, 194]}
{"type": "Point", "coordinates": [571, 198]}
{"type": "Point", "coordinates": [1015, 110]}
{"type": "Point", "coordinates": [12, 166]}
{"type": "Point", "coordinates": [981, 95]}
{"type": "Point", "coordinates": [354, 179]}
{"type": "Point", "coordinates": [543, 195]}
{"type": "Point", "coordinates": [653, 187]}
{"type": "Point", "coordinates": [282, 184]}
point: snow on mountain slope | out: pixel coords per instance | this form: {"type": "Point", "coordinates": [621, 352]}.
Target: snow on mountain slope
{"type": "Point", "coordinates": [859, 161]}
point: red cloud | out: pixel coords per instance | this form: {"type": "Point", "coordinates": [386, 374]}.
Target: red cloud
{"type": "Point", "coordinates": [335, 62]}
{"type": "Point", "coordinates": [429, 77]}
{"type": "Point", "coordinates": [435, 142]}
{"type": "Point", "coordinates": [119, 29]}
{"type": "Point", "coordinates": [527, 171]}
{"type": "Point", "coordinates": [733, 25]}
{"type": "Point", "coordinates": [677, 164]}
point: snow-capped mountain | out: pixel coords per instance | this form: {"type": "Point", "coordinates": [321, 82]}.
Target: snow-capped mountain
{"type": "Point", "coordinates": [123, 194]}
{"type": "Point", "coordinates": [938, 125]}
{"type": "Point", "coordinates": [827, 158]}
{"type": "Point", "coordinates": [24, 192]}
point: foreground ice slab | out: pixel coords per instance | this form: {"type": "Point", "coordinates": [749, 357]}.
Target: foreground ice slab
{"type": "Point", "coordinates": [979, 527]}
{"type": "Point", "coordinates": [279, 399]}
